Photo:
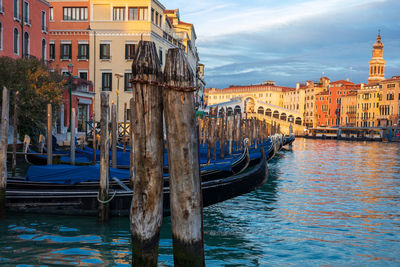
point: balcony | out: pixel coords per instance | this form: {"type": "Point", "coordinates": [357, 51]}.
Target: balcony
{"type": "Point", "coordinates": [383, 117]}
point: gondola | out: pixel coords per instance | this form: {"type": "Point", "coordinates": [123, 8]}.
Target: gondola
{"type": "Point", "coordinates": [84, 201]}
{"type": "Point", "coordinates": [288, 140]}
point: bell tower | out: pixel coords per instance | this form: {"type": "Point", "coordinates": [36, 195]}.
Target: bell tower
{"type": "Point", "coordinates": [377, 63]}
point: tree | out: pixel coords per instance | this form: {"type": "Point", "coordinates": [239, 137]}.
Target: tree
{"type": "Point", "coordinates": [37, 87]}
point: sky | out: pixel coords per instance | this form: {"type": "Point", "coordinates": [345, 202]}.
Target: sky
{"type": "Point", "coordinates": [289, 41]}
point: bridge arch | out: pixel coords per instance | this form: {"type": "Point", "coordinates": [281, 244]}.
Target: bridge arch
{"type": "Point", "coordinates": [238, 110]}
{"type": "Point", "coordinates": [249, 103]}
{"type": "Point", "coordinates": [229, 111]}
{"type": "Point", "coordinates": [276, 114]}
{"type": "Point", "coordinates": [260, 110]}
{"type": "Point", "coordinates": [268, 112]}
{"type": "Point", "coordinates": [283, 116]}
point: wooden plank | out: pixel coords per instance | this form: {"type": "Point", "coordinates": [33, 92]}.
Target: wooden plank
{"type": "Point", "coordinates": [147, 201]}
{"type": "Point", "coordinates": [182, 142]}
{"type": "Point", "coordinates": [14, 155]}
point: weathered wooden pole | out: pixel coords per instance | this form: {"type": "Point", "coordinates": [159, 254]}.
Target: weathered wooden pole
{"type": "Point", "coordinates": [210, 136]}
{"type": "Point", "coordinates": [147, 202]}
{"type": "Point", "coordinates": [72, 143]}
{"type": "Point", "coordinates": [222, 133]}
{"type": "Point", "coordinates": [14, 155]}
{"type": "Point", "coordinates": [215, 134]}
{"type": "Point", "coordinates": [94, 135]}
{"type": "Point", "coordinates": [3, 149]}
{"type": "Point", "coordinates": [125, 128]}
{"type": "Point", "coordinates": [131, 153]}
{"type": "Point", "coordinates": [49, 136]}
{"type": "Point", "coordinates": [182, 141]}
{"type": "Point", "coordinates": [103, 208]}
{"type": "Point", "coordinates": [114, 135]}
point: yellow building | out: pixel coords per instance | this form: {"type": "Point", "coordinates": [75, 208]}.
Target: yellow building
{"type": "Point", "coordinates": [267, 92]}
{"type": "Point", "coordinates": [293, 99]}
{"type": "Point", "coordinates": [348, 109]}
{"type": "Point", "coordinates": [389, 105]}
{"type": "Point", "coordinates": [368, 106]}
{"type": "Point", "coordinates": [116, 27]}
{"type": "Point", "coordinates": [377, 63]}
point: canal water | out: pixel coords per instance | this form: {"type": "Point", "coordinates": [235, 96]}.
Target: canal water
{"type": "Point", "coordinates": [327, 202]}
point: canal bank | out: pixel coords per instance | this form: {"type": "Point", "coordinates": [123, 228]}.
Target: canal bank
{"type": "Point", "coordinates": [326, 202]}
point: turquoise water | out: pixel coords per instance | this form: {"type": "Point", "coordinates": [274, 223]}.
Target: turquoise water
{"type": "Point", "coordinates": [329, 203]}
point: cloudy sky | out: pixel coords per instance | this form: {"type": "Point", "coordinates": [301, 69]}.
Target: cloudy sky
{"type": "Point", "coordinates": [289, 41]}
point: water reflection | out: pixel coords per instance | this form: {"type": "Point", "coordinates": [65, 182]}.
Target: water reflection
{"type": "Point", "coordinates": [325, 203]}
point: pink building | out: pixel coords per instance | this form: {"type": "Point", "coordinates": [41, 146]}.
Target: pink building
{"type": "Point", "coordinates": [24, 28]}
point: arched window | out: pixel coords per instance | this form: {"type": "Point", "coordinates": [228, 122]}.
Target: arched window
{"type": "Point", "coordinates": [16, 41]}
{"type": "Point", "coordinates": [43, 49]}
{"type": "Point", "coordinates": [260, 110]}
{"type": "Point", "coordinates": [26, 45]}
{"type": "Point", "coordinates": [238, 110]}
{"type": "Point", "coordinates": [1, 36]}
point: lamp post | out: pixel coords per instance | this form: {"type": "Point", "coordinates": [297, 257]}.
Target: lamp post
{"type": "Point", "coordinates": [119, 76]}
{"type": "Point", "coordinates": [70, 69]}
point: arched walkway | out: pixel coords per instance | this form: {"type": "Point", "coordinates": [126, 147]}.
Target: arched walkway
{"type": "Point", "coordinates": [229, 111]}
{"type": "Point", "coordinates": [260, 110]}
{"type": "Point", "coordinates": [298, 121]}
{"type": "Point", "coordinates": [276, 114]}
{"type": "Point", "coordinates": [290, 118]}
{"type": "Point", "coordinates": [238, 110]}
{"type": "Point", "coordinates": [268, 112]}
{"type": "Point", "coordinates": [283, 116]}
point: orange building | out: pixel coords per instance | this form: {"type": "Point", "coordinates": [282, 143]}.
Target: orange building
{"type": "Point", "coordinates": [69, 46]}
{"type": "Point", "coordinates": [321, 109]}
{"type": "Point", "coordinates": [24, 28]}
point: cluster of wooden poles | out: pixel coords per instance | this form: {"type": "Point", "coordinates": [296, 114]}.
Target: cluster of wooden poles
{"type": "Point", "coordinates": [227, 130]}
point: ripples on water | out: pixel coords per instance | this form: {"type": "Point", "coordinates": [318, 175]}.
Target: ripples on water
{"type": "Point", "coordinates": [326, 203]}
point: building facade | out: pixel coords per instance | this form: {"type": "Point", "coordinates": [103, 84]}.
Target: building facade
{"type": "Point", "coordinates": [348, 112]}
{"type": "Point", "coordinates": [24, 28]}
{"type": "Point", "coordinates": [389, 104]}
{"type": "Point", "coordinates": [69, 47]}
{"type": "Point", "coordinates": [368, 106]}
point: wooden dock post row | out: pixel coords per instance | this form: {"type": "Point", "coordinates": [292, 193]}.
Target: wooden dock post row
{"type": "Point", "coordinates": [14, 155]}
{"type": "Point", "coordinates": [49, 136]}
{"type": "Point", "coordinates": [3, 150]}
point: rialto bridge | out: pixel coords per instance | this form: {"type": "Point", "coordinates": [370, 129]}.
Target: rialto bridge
{"type": "Point", "coordinates": [252, 107]}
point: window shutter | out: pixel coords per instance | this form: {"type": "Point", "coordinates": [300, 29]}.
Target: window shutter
{"type": "Point", "coordinates": [102, 81]}
{"type": "Point", "coordinates": [126, 51]}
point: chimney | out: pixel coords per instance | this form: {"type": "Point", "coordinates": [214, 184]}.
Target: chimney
{"type": "Point", "coordinates": [297, 86]}
{"type": "Point", "coordinates": [347, 79]}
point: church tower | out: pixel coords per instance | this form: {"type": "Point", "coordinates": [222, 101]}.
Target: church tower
{"type": "Point", "coordinates": [377, 63]}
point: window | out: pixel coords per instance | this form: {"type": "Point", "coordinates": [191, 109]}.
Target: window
{"type": "Point", "coordinates": [105, 51]}
{"type": "Point", "coordinates": [1, 36]}
{"type": "Point", "coordinates": [44, 28]}
{"type": "Point", "coordinates": [66, 51]}
{"type": "Point", "coordinates": [75, 13]}
{"type": "Point", "coordinates": [43, 49]}
{"type": "Point", "coordinates": [16, 41]}
{"type": "Point", "coordinates": [127, 81]}
{"type": "Point", "coordinates": [130, 51]}
{"type": "Point", "coordinates": [16, 9]}
{"type": "Point", "coordinates": [83, 51]}
{"type": "Point", "coordinates": [119, 13]}
{"type": "Point", "coordinates": [1, 7]}
{"type": "Point", "coordinates": [26, 45]}
{"type": "Point", "coordinates": [83, 74]}
{"type": "Point", "coordinates": [26, 13]}
{"type": "Point", "coordinates": [137, 13]}
{"type": "Point", "coordinates": [106, 81]}
{"type": "Point", "coordinates": [51, 14]}
{"type": "Point", "coordinates": [52, 51]}
{"type": "Point", "coordinates": [152, 15]}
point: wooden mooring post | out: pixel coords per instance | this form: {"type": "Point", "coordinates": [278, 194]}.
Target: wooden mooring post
{"type": "Point", "coordinates": [114, 135]}
{"type": "Point", "coordinates": [103, 208]}
{"type": "Point", "coordinates": [72, 142]}
{"type": "Point", "coordinates": [131, 154]}
{"type": "Point", "coordinates": [3, 149]}
{"type": "Point", "coordinates": [94, 134]}
{"type": "Point", "coordinates": [182, 142]}
{"type": "Point", "coordinates": [14, 155]}
{"type": "Point", "coordinates": [49, 136]}
{"type": "Point", "coordinates": [147, 202]}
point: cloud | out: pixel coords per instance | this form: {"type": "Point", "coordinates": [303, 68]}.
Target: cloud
{"type": "Point", "coordinates": [292, 41]}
